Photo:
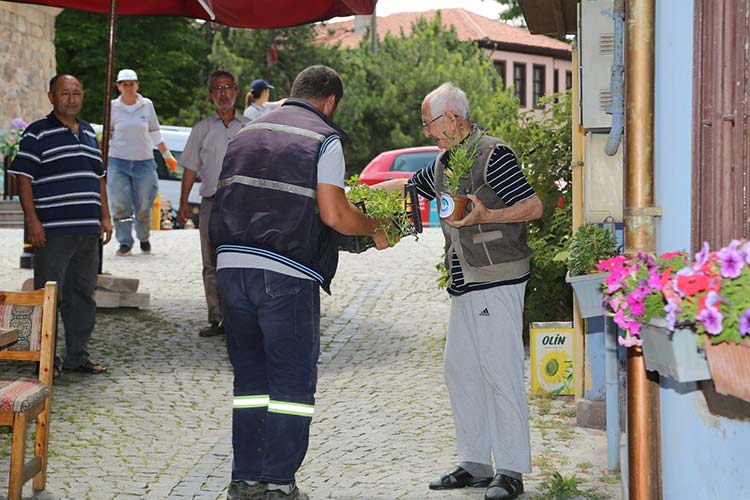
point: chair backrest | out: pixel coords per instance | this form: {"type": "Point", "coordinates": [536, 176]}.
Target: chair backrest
{"type": "Point", "coordinates": [33, 314]}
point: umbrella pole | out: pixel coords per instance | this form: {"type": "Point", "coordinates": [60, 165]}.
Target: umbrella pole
{"type": "Point", "coordinates": [108, 96]}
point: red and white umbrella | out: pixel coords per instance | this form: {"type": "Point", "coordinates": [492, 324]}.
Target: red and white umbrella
{"type": "Point", "coordinates": [236, 13]}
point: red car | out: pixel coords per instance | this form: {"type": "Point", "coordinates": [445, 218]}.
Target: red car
{"type": "Point", "coordinates": [401, 164]}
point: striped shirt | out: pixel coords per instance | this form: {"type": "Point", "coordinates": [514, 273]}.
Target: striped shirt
{"type": "Point", "coordinates": [506, 179]}
{"type": "Point", "coordinates": [65, 172]}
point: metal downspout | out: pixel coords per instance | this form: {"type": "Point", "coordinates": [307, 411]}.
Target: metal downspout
{"type": "Point", "coordinates": [612, 391]}
{"type": "Point", "coordinates": [617, 81]}
{"type": "Point", "coordinates": [640, 236]}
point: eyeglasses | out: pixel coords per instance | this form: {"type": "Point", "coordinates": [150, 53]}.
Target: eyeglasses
{"type": "Point", "coordinates": [427, 124]}
{"type": "Point", "coordinates": [220, 88]}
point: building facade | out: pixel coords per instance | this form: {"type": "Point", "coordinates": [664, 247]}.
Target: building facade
{"type": "Point", "coordinates": [534, 65]}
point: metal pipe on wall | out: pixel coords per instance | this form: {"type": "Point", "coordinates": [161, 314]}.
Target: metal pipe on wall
{"type": "Point", "coordinates": [640, 236]}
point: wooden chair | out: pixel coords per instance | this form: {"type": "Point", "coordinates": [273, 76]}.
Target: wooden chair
{"type": "Point", "coordinates": [23, 400]}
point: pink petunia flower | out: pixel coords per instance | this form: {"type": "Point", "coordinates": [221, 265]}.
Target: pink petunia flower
{"type": "Point", "coordinates": [745, 322]}
{"type": "Point", "coordinates": [711, 319]}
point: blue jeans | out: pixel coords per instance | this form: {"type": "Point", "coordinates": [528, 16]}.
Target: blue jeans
{"type": "Point", "coordinates": [272, 326]}
{"type": "Point", "coordinates": [131, 187]}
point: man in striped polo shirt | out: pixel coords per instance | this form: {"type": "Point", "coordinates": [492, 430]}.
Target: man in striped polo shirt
{"type": "Point", "coordinates": [64, 198]}
{"type": "Point", "coordinates": [488, 260]}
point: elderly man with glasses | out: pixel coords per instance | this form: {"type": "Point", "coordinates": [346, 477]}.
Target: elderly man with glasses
{"type": "Point", "coordinates": [488, 260]}
{"type": "Point", "coordinates": [204, 154]}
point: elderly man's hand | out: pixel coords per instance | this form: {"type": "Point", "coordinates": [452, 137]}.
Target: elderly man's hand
{"type": "Point", "coordinates": [479, 214]}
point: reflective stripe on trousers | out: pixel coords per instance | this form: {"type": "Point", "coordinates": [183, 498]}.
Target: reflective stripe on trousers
{"type": "Point", "coordinates": [263, 401]}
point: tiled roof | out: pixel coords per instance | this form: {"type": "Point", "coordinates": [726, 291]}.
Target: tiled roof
{"type": "Point", "coordinates": [469, 27]}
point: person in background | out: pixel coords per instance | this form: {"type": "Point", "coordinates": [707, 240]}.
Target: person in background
{"type": "Point", "coordinates": [256, 101]}
{"type": "Point", "coordinates": [63, 194]}
{"type": "Point", "coordinates": [133, 182]}
{"type": "Point", "coordinates": [204, 154]}
{"type": "Point", "coordinates": [275, 232]}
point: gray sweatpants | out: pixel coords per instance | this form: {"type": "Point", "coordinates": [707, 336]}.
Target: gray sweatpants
{"type": "Point", "coordinates": [484, 372]}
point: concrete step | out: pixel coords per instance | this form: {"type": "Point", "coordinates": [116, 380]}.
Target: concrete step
{"type": "Point", "coordinates": [11, 214]}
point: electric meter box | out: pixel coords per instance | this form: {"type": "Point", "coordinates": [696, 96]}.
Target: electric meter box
{"type": "Point", "coordinates": [602, 181]}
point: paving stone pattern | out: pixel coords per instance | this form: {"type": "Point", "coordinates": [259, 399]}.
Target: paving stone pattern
{"type": "Point", "coordinates": [157, 425]}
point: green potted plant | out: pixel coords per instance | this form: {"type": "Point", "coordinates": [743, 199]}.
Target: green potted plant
{"type": "Point", "coordinates": [453, 202]}
{"type": "Point", "coordinates": [589, 245]}
{"type": "Point", "coordinates": [382, 205]}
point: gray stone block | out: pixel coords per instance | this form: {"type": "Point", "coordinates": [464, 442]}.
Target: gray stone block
{"type": "Point", "coordinates": [139, 299]}
{"type": "Point", "coordinates": [112, 300]}
{"type": "Point", "coordinates": [591, 414]}
{"type": "Point", "coordinates": [106, 299]}
{"type": "Point", "coordinates": [117, 283]}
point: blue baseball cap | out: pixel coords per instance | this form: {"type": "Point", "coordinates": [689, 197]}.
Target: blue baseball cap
{"type": "Point", "coordinates": [260, 85]}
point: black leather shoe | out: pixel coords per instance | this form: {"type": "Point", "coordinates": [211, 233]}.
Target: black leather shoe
{"type": "Point", "coordinates": [503, 487]}
{"type": "Point", "coordinates": [212, 330]}
{"type": "Point", "coordinates": [458, 478]}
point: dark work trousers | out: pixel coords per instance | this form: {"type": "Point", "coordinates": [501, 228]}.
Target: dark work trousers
{"type": "Point", "coordinates": [272, 326]}
{"type": "Point", "coordinates": [72, 261]}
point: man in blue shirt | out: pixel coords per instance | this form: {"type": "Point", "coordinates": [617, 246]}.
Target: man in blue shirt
{"type": "Point", "coordinates": [64, 199]}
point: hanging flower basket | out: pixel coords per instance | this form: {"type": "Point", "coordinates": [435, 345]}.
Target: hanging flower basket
{"type": "Point", "coordinates": [673, 354]}
{"type": "Point", "coordinates": [730, 368]}
{"type": "Point", "coordinates": [588, 290]}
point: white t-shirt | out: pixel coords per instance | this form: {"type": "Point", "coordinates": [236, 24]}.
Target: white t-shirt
{"type": "Point", "coordinates": [134, 129]}
{"type": "Point", "coordinates": [254, 111]}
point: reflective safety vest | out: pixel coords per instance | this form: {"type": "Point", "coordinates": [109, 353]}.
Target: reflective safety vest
{"type": "Point", "coordinates": [266, 203]}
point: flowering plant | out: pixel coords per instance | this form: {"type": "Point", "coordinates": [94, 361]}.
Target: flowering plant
{"type": "Point", "coordinates": [636, 289]}
{"type": "Point", "coordinates": [710, 294]}
{"type": "Point", "coordinates": [461, 160]}
{"type": "Point", "coordinates": [10, 138]}
{"type": "Point", "coordinates": [713, 293]}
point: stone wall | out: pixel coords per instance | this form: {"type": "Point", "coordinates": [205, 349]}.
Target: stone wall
{"type": "Point", "coordinates": [27, 60]}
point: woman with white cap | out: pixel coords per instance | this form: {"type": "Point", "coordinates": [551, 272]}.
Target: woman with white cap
{"type": "Point", "coordinates": [256, 101]}
{"type": "Point", "coordinates": [132, 182]}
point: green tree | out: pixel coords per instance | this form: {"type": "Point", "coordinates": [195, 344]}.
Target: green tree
{"type": "Point", "coordinates": [384, 90]}
{"type": "Point", "coordinates": [168, 54]}
{"type": "Point", "coordinates": [275, 55]}
{"type": "Point", "coordinates": [543, 146]}
{"type": "Point", "coordinates": [511, 11]}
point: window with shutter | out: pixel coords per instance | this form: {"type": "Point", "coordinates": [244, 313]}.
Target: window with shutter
{"type": "Point", "coordinates": [721, 111]}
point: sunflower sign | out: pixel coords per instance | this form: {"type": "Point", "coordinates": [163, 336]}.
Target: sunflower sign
{"type": "Point", "coordinates": [552, 358]}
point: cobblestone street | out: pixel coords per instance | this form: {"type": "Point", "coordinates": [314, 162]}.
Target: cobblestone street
{"type": "Point", "coordinates": [158, 424]}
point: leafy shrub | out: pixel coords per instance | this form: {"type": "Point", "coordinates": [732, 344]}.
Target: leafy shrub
{"type": "Point", "coordinates": [589, 245]}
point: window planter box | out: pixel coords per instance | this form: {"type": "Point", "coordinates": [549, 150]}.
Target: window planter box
{"type": "Point", "coordinates": [673, 354]}
{"type": "Point", "coordinates": [588, 290]}
{"type": "Point", "coordinates": [730, 368]}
